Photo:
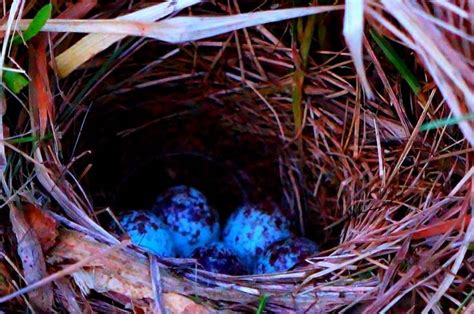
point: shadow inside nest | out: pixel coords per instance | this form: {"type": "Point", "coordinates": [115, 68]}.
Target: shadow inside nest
{"type": "Point", "coordinates": [137, 154]}
{"type": "Point", "coordinates": [141, 146]}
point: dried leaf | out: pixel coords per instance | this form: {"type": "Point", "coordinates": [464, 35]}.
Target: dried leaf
{"type": "Point", "coordinates": [32, 259]}
{"type": "Point", "coordinates": [45, 226]}
{"type": "Point", "coordinates": [39, 89]}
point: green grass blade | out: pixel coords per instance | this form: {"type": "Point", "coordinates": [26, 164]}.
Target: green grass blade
{"type": "Point", "coordinates": [435, 124]}
{"type": "Point", "coordinates": [36, 24]}
{"type": "Point", "coordinates": [15, 81]}
{"type": "Point", "coordinates": [29, 139]}
{"type": "Point", "coordinates": [395, 59]}
{"type": "Point", "coordinates": [262, 302]}
{"type": "Point", "coordinates": [464, 302]}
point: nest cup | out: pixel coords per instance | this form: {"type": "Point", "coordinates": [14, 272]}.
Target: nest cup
{"type": "Point", "coordinates": [227, 145]}
{"type": "Point", "coordinates": [145, 140]}
{"type": "Point", "coordinates": [357, 176]}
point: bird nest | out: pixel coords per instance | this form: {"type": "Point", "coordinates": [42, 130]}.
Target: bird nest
{"type": "Point", "coordinates": [366, 161]}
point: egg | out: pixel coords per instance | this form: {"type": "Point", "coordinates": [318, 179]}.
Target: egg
{"type": "Point", "coordinates": [252, 228]}
{"type": "Point", "coordinates": [216, 257]}
{"type": "Point", "coordinates": [284, 254]}
{"type": "Point", "coordinates": [148, 232]}
{"type": "Point", "coordinates": [191, 221]}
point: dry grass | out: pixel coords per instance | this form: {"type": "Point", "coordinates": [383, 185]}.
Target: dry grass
{"type": "Point", "coordinates": [395, 201]}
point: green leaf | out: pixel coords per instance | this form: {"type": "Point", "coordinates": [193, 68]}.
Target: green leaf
{"type": "Point", "coordinates": [435, 124]}
{"type": "Point", "coordinates": [395, 59]}
{"type": "Point", "coordinates": [15, 81]}
{"type": "Point", "coordinates": [36, 24]}
{"type": "Point", "coordinates": [262, 302]}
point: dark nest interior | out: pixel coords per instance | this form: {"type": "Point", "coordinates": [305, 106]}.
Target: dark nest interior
{"type": "Point", "coordinates": [243, 116]}
{"type": "Point", "coordinates": [145, 141]}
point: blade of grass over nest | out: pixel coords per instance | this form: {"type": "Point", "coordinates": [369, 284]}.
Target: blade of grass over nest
{"type": "Point", "coordinates": [36, 24]}
{"type": "Point", "coordinates": [179, 29]}
{"type": "Point", "coordinates": [395, 59]}
{"type": "Point", "coordinates": [353, 33]}
{"type": "Point", "coordinates": [92, 44]}
{"type": "Point", "coordinates": [436, 124]}
{"type": "Point", "coordinates": [15, 81]}
{"type": "Point", "coordinates": [262, 302]}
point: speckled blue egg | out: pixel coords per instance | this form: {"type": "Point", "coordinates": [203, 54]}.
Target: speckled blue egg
{"type": "Point", "coordinates": [148, 231]}
{"type": "Point", "coordinates": [191, 221]}
{"type": "Point", "coordinates": [216, 257]}
{"type": "Point", "coordinates": [252, 228]}
{"type": "Point", "coordinates": [284, 254]}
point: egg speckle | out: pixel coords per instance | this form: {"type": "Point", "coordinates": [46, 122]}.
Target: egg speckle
{"type": "Point", "coordinates": [192, 222]}
{"type": "Point", "coordinates": [148, 231]}
{"type": "Point", "coordinates": [252, 228]}
{"type": "Point", "coordinates": [284, 254]}
{"type": "Point", "coordinates": [217, 258]}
